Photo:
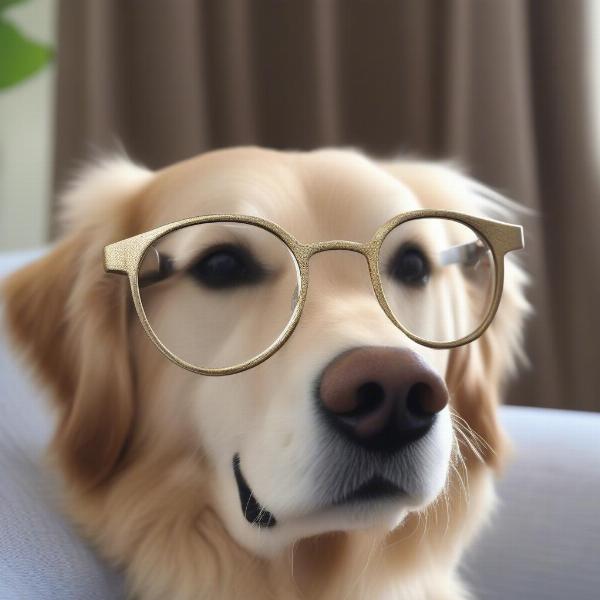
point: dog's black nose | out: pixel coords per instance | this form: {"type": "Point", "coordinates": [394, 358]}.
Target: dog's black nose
{"type": "Point", "coordinates": [381, 398]}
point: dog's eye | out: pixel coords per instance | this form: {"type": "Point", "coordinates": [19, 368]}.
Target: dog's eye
{"type": "Point", "coordinates": [409, 266]}
{"type": "Point", "coordinates": [227, 266]}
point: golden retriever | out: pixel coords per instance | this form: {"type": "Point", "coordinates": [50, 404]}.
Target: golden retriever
{"type": "Point", "coordinates": [145, 447]}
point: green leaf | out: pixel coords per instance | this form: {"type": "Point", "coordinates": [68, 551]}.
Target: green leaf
{"type": "Point", "coordinates": [5, 3]}
{"type": "Point", "coordinates": [19, 56]}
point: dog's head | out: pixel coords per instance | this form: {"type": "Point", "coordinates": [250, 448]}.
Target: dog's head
{"type": "Point", "coordinates": [349, 425]}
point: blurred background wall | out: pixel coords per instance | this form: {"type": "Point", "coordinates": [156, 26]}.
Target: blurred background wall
{"type": "Point", "coordinates": [26, 136]}
{"type": "Point", "coordinates": [509, 90]}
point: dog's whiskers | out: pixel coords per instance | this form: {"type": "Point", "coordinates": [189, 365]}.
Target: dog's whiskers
{"type": "Point", "coordinates": [463, 437]}
{"type": "Point", "coordinates": [457, 465]}
{"type": "Point", "coordinates": [473, 439]}
{"type": "Point", "coordinates": [402, 539]}
{"type": "Point", "coordinates": [292, 575]}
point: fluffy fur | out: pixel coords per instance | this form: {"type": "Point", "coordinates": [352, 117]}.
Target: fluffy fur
{"type": "Point", "coordinates": [143, 446]}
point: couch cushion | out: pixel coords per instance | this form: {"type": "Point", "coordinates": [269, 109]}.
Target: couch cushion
{"type": "Point", "coordinates": [42, 557]}
{"type": "Point", "coordinates": [10, 261]}
{"type": "Point", "coordinates": [544, 541]}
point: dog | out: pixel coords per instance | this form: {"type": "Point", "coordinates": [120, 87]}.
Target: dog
{"type": "Point", "coordinates": [162, 465]}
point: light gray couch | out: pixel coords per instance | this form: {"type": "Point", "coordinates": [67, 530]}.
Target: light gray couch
{"type": "Point", "coordinates": [543, 544]}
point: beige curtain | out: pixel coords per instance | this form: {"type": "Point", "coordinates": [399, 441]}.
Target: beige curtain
{"type": "Point", "coordinates": [500, 86]}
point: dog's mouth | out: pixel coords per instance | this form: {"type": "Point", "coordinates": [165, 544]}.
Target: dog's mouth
{"type": "Point", "coordinates": [376, 488]}
{"type": "Point", "coordinates": [252, 510]}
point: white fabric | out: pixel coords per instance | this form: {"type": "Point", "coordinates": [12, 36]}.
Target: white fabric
{"type": "Point", "coordinates": [41, 555]}
{"type": "Point", "coordinates": [544, 542]}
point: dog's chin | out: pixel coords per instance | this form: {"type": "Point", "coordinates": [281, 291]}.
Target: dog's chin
{"type": "Point", "coordinates": [376, 505]}
{"type": "Point", "coordinates": [382, 515]}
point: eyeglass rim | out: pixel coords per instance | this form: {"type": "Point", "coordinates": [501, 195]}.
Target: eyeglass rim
{"type": "Point", "coordinates": [124, 257]}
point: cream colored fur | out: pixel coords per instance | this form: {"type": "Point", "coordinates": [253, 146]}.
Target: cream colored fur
{"type": "Point", "coordinates": [139, 440]}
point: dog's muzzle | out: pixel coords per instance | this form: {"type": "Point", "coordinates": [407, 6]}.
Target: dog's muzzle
{"type": "Point", "coordinates": [373, 404]}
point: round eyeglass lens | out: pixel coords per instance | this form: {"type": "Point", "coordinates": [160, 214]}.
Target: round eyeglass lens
{"type": "Point", "coordinates": [218, 294]}
{"type": "Point", "coordinates": [438, 278]}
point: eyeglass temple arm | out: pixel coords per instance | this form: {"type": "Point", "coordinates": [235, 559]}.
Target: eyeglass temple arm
{"type": "Point", "coordinates": [464, 254]}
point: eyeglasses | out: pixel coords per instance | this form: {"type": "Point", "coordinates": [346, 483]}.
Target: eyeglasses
{"type": "Point", "coordinates": [220, 294]}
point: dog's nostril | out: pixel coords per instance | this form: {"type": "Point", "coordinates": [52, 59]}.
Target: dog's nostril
{"type": "Point", "coordinates": [418, 400]}
{"type": "Point", "coordinates": [381, 398]}
{"type": "Point", "coordinates": [369, 397]}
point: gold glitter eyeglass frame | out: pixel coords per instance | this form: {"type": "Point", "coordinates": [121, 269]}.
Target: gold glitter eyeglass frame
{"type": "Point", "coordinates": [124, 257]}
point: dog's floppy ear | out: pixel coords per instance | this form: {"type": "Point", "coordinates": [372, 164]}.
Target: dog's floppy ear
{"type": "Point", "coordinates": [70, 318]}
{"type": "Point", "coordinates": [479, 372]}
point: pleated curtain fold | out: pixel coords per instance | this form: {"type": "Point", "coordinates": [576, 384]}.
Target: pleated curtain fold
{"type": "Point", "coordinates": [500, 88]}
